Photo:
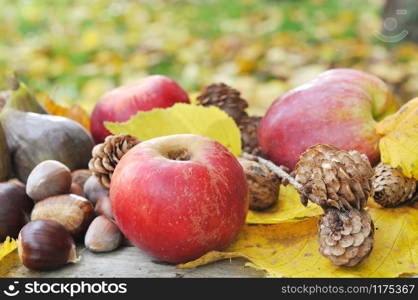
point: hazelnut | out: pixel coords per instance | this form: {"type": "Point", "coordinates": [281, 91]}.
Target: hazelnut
{"type": "Point", "coordinates": [103, 235]}
{"type": "Point", "coordinates": [49, 178]}
{"type": "Point", "coordinates": [15, 208]}
{"type": "Point", "coordinates": [104, 207]}
{"type": "Point", "coordinates": [45, 245]}
{"type": "Point", "coordinates": [73, 212]}
{"type": "Point", "coordinates": [80, 176]}
{"type": "Point", "coordinates": [94, 190]}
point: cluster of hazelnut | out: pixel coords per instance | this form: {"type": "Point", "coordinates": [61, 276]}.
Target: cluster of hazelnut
{"type": "Point", "coordinates": [62, 208]}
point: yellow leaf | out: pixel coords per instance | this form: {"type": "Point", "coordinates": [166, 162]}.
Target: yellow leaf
{"type": "Point", "coordinates": [399, 145]}
{"type": "Point", "coordinates": [287, 209]}
{"type": "Point", "coordinates": [291, 249]}
{"type": "Point", "coordinates": [74, 112]}
{"type": "Point", "coordinates": [8, 246]}
{"type": "Point", "coordinates": [182, 118]}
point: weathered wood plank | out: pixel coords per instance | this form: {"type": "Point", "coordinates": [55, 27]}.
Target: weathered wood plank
{"type": "Point", "coordinates": [131, 262]}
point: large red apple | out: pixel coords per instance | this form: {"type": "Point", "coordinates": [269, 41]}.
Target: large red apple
{"type": "Point", "coordinates": [339, 107]}
{"type": "Point", "coordinates": [121, 103]}
{"type": "Point", "coordinates": [179, 197]}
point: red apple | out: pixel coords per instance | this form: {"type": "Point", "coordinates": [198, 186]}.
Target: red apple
{"type": "Point", "coordinates": [179, 197]}
{"type": "Point", "coordinates": [339, 107]}
{"type": "Point", "coordinates": [121, 103]}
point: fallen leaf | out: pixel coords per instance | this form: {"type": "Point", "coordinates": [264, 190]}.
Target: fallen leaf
{"type": "Point", "coordinates": [399, 144]}
{"type": "Point", "coordinates": [8, 246]}
{"type": "Point", "coordinates": [182, 118]}
{"type": "Point", "coordinates": [291, 249]}
{"type": "Point", "coordinates": [74, 112]}
{"type": "Point", "coordinates": [287, 209]}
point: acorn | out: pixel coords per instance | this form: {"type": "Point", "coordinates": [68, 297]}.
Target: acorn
{"type": "Point", "coordinates": [94, 190]}
{"type": "Point", "coordinates": [103, 235]}
{"type": "Point", "coordinates": [49, 178]}
{"type": "Point", "coordinates": [15, 208]}
{"type": "Point", "coordinates": [75, 213]}
{"type": "Point", "coordinates": [45, 245]}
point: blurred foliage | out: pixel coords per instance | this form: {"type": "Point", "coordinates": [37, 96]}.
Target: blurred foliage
{"type": "Point", "coordinates": [76, 51]}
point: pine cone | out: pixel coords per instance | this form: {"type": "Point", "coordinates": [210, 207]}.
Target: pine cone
{"type": "Point", "coordinates": [346, 237]}
{"type": "Point", "coordinates": [263, 184]}
{"type": "Point", "coordinates": [248, 127]}
{"type": "Point", "coordinates": [224, 97]}
{"type": "Point", "coordinates": [392, 188]}
{"type": "Point", "coordinates": [334, 178]}
{"type": "Point", "coordinates": [107, 155]}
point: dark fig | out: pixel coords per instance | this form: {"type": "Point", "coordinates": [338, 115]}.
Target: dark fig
{"type": "Point", "coordinates": [15, 208]}
{"type": "Point", "coordinates": [19, 97]}
{"type": "Point", "coordinates": [33, 138]}
{"type": "Point", "coordinates": [5, 159]}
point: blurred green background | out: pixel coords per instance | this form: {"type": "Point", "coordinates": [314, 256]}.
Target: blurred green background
{"type": "Point", "coordinates": [75, 51]}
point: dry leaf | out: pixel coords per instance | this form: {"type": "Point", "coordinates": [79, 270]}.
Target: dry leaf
{"type": "Point", "coordinates": [74, 112]}
{"type": "Point", "coordinates": [287, 209]}
{"type": "Point", "coordinates": [182, 118]}
{"type": "Point", "coordinates": [8, 246]}
{"type": "Point", "coordinates": [291, 249]}
{"type": "Point", "coordinates": [399, 144]}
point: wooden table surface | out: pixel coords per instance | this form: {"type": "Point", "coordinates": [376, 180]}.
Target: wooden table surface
{"type": "Point", "coordinates": [131, 262]}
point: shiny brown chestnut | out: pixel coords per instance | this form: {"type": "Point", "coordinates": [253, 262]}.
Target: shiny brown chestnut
{"type": "Point", "coordinates": [103, 235]}
{"type": "Point", "coordinates": [45, 245]}
{"type": "Point", "coordinates": [75, 213]}
{"type": "Point", "coordinates": [49, 178]}
{"type": "Point", "coordinates": [15, 208]}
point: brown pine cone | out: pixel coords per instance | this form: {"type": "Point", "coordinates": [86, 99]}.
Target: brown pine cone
{"type": "Point", "coordinates": [346, 237]}
{"type": "Point", "coordinates": [392, 188]}
{"type": "Point", "coordinates": [263, 184]}
{"type": "Point", "coordinates": [248, 127]}
{"type": "Point", "coordinates": [334, 178]}
{"type": "Point", "coordinates": [107, 155]}
{"type": "Point", "coordinates": [226, 98]}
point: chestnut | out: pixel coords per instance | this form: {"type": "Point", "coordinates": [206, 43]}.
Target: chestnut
{"type": "Point", "coordinates": [94, 190]}
{"type": "Point", "coordinates": [103, 235]}
{"type": "Point", "coordinates": [45, 245]}
{"type": "Point", "coordinates": [15, 208]}
{"type": "Point", "coordinates": [75, 213]}
{"type": "Point", "coordinates": [80, 176]}
{"type": "Point", "coordinates": [49, 178]}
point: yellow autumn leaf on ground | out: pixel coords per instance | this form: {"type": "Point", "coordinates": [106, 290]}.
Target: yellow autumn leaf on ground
{"type": "Point", "coordinates": [182, 118]}
{"type": "Point", "coordinates": [287, 209]}
{"type": "Point", "coordinates": [292, 250]}
{"type": "Point", "coordinates": [8, 246]}
{"type": "Point", "coordinates": [399, 144]}
{"type": "Point", "coordinates": [74, 112]}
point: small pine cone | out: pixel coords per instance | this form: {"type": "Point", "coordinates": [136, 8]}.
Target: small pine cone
{"type": "Point", "coordinates": [346, 237]}
{"type": "Point", "coordinates": [392, 188]}
{"type": "Point", "coordinates": [263, 184]}
{"type": "Point", "coordinates": [248, 127]}
{"type": "Point", "coordinates": [334, 178]}
{"type": "Point", "coordinates": [226, 98]}
{"type": "Point", "coordinates": [107, 155]}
